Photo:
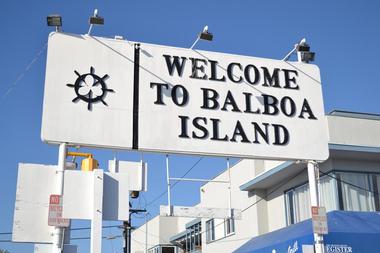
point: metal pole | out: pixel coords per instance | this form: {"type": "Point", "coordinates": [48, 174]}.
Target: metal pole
{"type": "Point", "coordinates": [311, 167]}
{"type": "Point", "coordinates": [125, 233]}
{"type": "Point", "coordinates": [59, 231]}
{"type": "Point", "coordinates": [146, 232]}
{"type": "Point", "coordinates": [229, 188]}
{"type": "Point", "coordinates": [168, 184]}
{"type": "Point", "coordinates": [129, 232]}
{"type": "Point", "coordinates": [198, 180]}
{"type": "Point", "coordinates": [128, 229]}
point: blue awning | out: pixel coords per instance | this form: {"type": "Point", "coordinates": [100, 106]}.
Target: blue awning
{"type": "Point", "coordinates": [350, 232]}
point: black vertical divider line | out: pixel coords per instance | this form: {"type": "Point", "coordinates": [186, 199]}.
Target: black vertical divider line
{"type": "Point", "coordinates": [135, 133]}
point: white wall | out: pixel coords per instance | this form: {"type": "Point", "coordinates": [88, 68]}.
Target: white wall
{"type": "Point", "coordinates": [354, 131]}
{"type": "Point", "coordinates": [216, 195]}
{"type": "Point", "coordinates": [160, 229]}
{"type": "Point", "coordinates": [138, 235]}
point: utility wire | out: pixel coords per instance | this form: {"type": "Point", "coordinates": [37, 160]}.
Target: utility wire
{"type": "Point", "coordinates": [21, 75]}
{"type": "Point", "coordinates": [348, 183]}
{"type": "Point", "coordinates": [87, 228]}
{"type": "Point", "coordinates": [103, 237]}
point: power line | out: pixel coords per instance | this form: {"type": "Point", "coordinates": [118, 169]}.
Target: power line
{"type": "Point", "coordinates": [103, 237]}
{"type": "Point", "coordinates": [75, 229]}
{"type": "Point", "coordinates": [21, 75]}
{"type": "Point", "coordinates": [87, 228]}
{"type": "Point", "coordinates": [348, 183]}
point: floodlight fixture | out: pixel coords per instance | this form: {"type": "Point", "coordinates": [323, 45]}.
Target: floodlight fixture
{"type": "Point", "coordinates": [95, 20]}
{"type": "Point", "coordinates": [204, 35]}
{"type": "Point", "coordinates": [307, 57]}
{"type": "Point", "coordinates": [54, 20]}
{"type": "Point", "coordinates": [304, 47]}
{"type": "Point", "coordinates": [303, 52]}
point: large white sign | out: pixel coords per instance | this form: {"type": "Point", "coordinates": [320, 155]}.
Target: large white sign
{"type": "Point", "coordinates": [81, 195]}
{"type": "Point", "coordinates": [30, 223]}
{"type": "Point", "coordinates": [88, 91]}
{"type": "Point", "coordinates": [219, 104]}
{"type": "Point", "coordinates": [116, 94]}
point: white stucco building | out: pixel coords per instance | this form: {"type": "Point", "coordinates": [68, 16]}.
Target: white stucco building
{"type": "Point", "coordinates": [274, 194]}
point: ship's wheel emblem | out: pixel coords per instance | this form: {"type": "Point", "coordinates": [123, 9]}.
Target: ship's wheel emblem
{"type": "Point", "coordinates": [90, 88]}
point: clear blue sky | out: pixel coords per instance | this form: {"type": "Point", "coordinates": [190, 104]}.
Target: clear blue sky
{"type": "Point", "coordinates": [344, 34]}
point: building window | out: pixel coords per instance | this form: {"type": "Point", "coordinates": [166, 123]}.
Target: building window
{"type": "Point", "coordinates": [356, 191]}
{"type": "Point", "coordinates": [156, 249]}
{"type": "Point", "coordinates": [191, 239]}
{"type": "Point", "coordinates": [167, 249]}
{"type": "Point", "coordinates": [210, 231]}
{"type": "Point", "coordinates": [229, 226]}
{"type": "Point", "coordinates": [194, 237]}
{"type": "Point", "coordinates": [219, 228]}
{"type": "Point", "coordinates": [349, 191]}
{"type": "Point", "coordinates": [297, 200]}
{"type": "Point", "coordinates": [162, 249]}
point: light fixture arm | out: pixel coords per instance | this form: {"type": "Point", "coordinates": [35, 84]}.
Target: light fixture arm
{"type": "Point", "coordinates": [195, 42]}
{"type": "Point", "coordinates": [294, 50]}
{"type": "Point", "coordinates": [290, 53]}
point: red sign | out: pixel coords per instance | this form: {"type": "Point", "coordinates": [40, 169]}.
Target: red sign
{"type": "Point", "coordinates": [55, 212]}
{"type": "Point", "coordinates": [319, 220]}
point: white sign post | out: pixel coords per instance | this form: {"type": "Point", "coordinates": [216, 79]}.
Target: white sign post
{"type": "Point", "coordinates": [312, 168]}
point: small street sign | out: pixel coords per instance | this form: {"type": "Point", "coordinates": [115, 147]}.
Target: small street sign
{"type": "Point", "coordinates": [55, 212]}
{"type": "Point", "coordinates": [319, 219]}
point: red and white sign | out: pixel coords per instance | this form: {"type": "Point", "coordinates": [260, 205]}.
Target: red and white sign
{"type": "Point", "coordinates": [55, 212]}
{"type": "Point", "coordinates": [319, 219]}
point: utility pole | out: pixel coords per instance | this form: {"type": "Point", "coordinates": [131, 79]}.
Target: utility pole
{"type": "Point", "coordinates": [313, 187]}
{"type": "Point", "coordinates": [127, 225]}
{"type": "Point", "coordinates": [59, 231]}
